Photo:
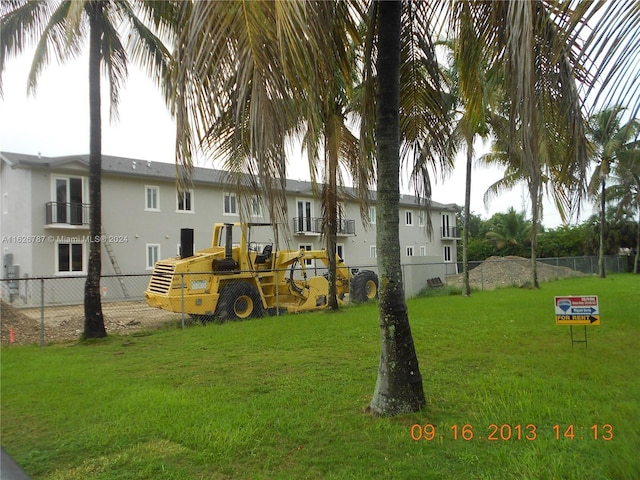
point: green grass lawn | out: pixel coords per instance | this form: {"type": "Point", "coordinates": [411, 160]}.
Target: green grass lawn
{"type": "Point", "coordinates": [285, 397]}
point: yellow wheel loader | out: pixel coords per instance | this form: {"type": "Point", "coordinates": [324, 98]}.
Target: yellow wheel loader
{"type": "Point", "coordinates": [238, 278]}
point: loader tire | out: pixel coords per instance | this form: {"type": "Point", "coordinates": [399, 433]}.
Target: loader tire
{"type": "Point", "coordinates": [238, 301]}
{"type": "Point", "coordinates": [364, 286]}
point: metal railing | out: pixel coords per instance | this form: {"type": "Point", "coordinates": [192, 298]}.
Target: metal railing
{"type": "Point", "coordinates": [314, 225]}
{"type": "Point", "coordinates": [449, 232]}
{"type": "Point", "coordinates": [67, 213]}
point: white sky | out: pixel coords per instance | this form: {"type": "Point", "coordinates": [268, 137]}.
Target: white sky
{"type": "Point", "coordinates": [55, 122]}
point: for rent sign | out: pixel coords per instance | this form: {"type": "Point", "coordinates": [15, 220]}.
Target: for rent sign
{"type": "Point", "coordinates": [577, 310]}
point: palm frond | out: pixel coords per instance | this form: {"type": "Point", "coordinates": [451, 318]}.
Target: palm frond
{"type": "Point", "coordinates": [55, 36]}
{"type": "Point", "coordinates": [144, 45]}
{"type": "Point", "coordinates": [21, 23]}
{"type": "Point", "coordinates": [114, 56]}
{"type": "Point", "coordinates": [614, 50]}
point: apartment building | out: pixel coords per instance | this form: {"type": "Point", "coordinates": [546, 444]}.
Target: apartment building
{"type": "Point", "coordinates": [44, 223]}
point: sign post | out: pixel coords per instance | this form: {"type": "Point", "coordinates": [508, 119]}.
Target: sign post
{"type": "Point", "coordinates": [577, 310]}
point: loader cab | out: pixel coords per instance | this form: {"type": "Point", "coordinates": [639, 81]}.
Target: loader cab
{"type": "Point", "coordinates": [241, 252]}
{"type": "Point", "coordinates": [226, 235]}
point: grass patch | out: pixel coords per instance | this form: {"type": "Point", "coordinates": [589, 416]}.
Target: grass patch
{"type": "Point", "coordinates": [443, 291]}
{"type": "Point", "coordinates": [284, 397]}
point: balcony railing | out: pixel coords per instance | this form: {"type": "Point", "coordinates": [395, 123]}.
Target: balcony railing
{"type": "Point", "coordinates": [449, 232]}
{"type": "Point", "coordinates": [313, 226]}
{"type": "Point", "coordinates": [63, 213]}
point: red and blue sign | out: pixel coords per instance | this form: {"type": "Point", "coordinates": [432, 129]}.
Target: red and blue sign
{"type": "Point", "coordinates": [577, 310]}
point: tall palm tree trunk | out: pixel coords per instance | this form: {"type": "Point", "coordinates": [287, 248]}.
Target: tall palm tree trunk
{"type": "Point", "coordinates": [399, 385]}
{"type": "Point", "coordinates": [534, 193]}
{"type": "Point", "coordinates": [466, 288]}
{"type": "Point", "coordinates": [332, 205]}
{"type": "Point", "coordinates": [603, 220]}
{"type": "Point", "coordinates": [93, 320]}
{"type": "Point", "coordinates": [636, 260]}
{"type": "Point", "coordinates": [332, 227]}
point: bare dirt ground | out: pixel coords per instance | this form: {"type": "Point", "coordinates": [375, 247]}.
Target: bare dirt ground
{"type": "Point", "coordinates": [64, 323]}
{"type": "Point", "coordinates": [496, 272]}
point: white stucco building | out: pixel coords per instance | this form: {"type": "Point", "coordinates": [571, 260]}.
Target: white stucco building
{"type": "Point", "coordinates": [44, 221]}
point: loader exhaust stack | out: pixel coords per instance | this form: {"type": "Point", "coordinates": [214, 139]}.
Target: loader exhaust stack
{"type": "Point", "coordinates": [186, 242]}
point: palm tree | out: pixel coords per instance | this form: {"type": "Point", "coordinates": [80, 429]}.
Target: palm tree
{"type": "Point", "coordinates": [508, 229]}
{"type": "Point", "coordinates": [61, 27]}
{"type": "Point", "coordinates": [399, 386]}
{"type": "Point", "coordinates": [558, 179]}
{"type": "Point", "coordinates": [403, 118]}
{"type": "Point", "coordinates": [532, 40]}
{"type": "Point", "coordinates": [625, 190]}
{"type": "Point", "coordinates": [312, 109]}
{"type": "Point", "coordinates": [327, 126]}
{"type": "Point", "coordinates": [472, 90]}
{"type": "Point", "coordinates": [608, 137]}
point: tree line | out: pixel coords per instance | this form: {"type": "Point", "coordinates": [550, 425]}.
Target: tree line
{"type": "Point", "coordinates": [508, 233]}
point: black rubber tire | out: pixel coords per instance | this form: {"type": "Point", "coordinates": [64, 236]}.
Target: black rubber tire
{"type": "Point", "coordinates": [364, 286]}
{"type": "Point", "coordinates": [238, 301]}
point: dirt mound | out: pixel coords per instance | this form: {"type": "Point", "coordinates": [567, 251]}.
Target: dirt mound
{"type": "Point", "coordinates": [64, 323]}
{"type": "Point", "coordinates": [497, 272]}
{"type": "Point", "coordinates": [12, 319]}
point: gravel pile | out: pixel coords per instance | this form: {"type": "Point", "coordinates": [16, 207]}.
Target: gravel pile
{"type": "Point", "coordinates": [24, 327]}
{"type": "Point", "coordinates": [509, 271]}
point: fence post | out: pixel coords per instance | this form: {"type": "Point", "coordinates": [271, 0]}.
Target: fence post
{"type": "Point", "coordinates": [182, 297]}
{"type": "Point", "coordinates": [42, 312]}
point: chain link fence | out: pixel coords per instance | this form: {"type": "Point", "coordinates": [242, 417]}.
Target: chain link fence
{"type": "Point", "coordinates": [48, 309]}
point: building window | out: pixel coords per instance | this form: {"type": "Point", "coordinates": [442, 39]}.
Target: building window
{"type": "Point", "coordinates": [256, 207]}
{"type": "Point", "coordinates": [70, 258]}
{"type": "Point", "coordinates": [69, 195]}
{"type": "Point", "coordinates": [408, 216]}
{"type": "Point", "coordinates": [372, 215]}
{"type": "Point", "coordinates": [421, 219]}
{"type": "Point", "coordinates": [230, 204]}
{"type": "Point", "coordinates": [185, 201]}
{"type": "Point", "coordinates": [307, 261]}
{"type": "Point", "coordinates": [447, 254]}
{"type": "Point", "coordinates": [153, 255]}
{"type": "Point", "coordinates": [340, 250]}
{"type": "Point", "coordinates": [152, 198]}
{"type": "Point", "coordinates": [373, 251]}
{"type": "Point", "coordinates": [304, 220]}
{"type": "Point", "coordinates": [410, 251]}
{"type": "Point", "coordinates": [448, 231]}
{"type": "Point", "coordinates": [423, 251]}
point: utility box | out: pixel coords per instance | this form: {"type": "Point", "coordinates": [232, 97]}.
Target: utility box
{"type": "Point", "coordinates": [13, 273]}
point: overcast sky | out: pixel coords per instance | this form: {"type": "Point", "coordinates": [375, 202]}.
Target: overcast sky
{"type": "Point", "coordinates": [55, 121]}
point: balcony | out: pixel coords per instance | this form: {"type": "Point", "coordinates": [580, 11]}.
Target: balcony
{"type": "Point", "coordinates": [313, 226]}
{"type": "Point", "coordinates": [449, 233]}
{"type": "Point", "coordinates": [67, 215]}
